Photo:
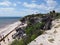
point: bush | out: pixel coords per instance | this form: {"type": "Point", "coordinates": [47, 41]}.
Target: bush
{"type": "Point", "coordinates": [17, 42]}
{"type": "Point", "coordinates": [33, 37]}
{"type": "Point", "coordinates": [32, 31]}
{"type": "Point", "coordinates": [33, 28]}
{"type": "Point", "coordinates": [14, 42]}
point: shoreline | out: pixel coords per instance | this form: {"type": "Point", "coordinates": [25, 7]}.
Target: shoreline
{"type": "Point", "coordinates": [8, 26]}
{"type": "Point", "coordinates": [8, 29]}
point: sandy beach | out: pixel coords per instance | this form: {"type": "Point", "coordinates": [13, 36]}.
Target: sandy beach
{"type": "Point", "coordinates": [6, 30]}
{"type": "Point", "coordinates": [9, 27]}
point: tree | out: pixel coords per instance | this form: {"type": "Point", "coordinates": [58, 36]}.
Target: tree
{"type": "Point", "coordinates": [53, 11]}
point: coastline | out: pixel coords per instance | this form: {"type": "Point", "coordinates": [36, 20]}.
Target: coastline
{"type": "Point", "coordinates": [8, 26]}
{"type": "Point", "coordinates": [7, 30]}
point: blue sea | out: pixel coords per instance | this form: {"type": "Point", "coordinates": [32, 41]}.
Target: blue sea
{"type": "Point", "coordinates": [4, 21]}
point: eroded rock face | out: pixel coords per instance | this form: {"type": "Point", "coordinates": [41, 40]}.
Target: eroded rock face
{"type": "Point", "coordinates": [48, 22]}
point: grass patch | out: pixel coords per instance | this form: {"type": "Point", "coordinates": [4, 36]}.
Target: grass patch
{"type": "Point", "coordinates": [18, 42]}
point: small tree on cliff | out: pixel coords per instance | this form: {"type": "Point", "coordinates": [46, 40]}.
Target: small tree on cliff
{"type": "Point", "coordinates": [53, 14]}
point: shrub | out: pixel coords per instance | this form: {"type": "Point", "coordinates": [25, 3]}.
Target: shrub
{"type": "Point", "coordinates": [17, 42]}
{"type": "Point", "coordinates": [32, 31]}
{"type": "Point", "coordinates": [33, 37]}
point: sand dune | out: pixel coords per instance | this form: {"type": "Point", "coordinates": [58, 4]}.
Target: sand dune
{"type": "Point", "coordinates": [50, 37]}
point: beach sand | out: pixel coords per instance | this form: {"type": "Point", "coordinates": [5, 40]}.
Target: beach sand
{"type": "Point", "coordinates": [6, 30]}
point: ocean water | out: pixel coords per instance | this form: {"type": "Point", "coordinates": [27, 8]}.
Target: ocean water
{"type": "Point", "coordinates": [4, 21]}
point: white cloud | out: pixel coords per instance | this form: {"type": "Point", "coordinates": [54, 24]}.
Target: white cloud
{"type": "Point", "coordinates": [49, 5]}
{"type": "Point", "coordinates": [51, 2]}
{"type": "Point", "coordinates": [13, 12]}
{"type": "Point", "coordinates": [8, 12]}
{"type": "Point", "coordinates": [31, 11]}
{"type": "Point", "coordinates": [25, 12]}
{"type": "Point", "coordinates": [33, 5]}
{"type": "Point", "coordinates": [6, 9]}
{"type": "Point", "coordinates": [5, 3]}
{"type": "Point", "coordinates": [31, 8]}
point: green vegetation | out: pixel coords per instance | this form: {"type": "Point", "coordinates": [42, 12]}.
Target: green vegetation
{"type": "Point", "coordinates": [55, 15]}
{"type": "Point", "coordinates": [32, 32]}
{"type": "Point", "coordinates": [17, 42]}
{"type": "Point", "coordinates": [34, 29]}
{"type": "Point", "coordinates": [58, 16]}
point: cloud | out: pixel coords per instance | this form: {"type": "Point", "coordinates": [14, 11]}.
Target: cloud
{"type": "Point", "coordinates": [48, 5]}
{"type": "Point", "coordinates": [6, 9]}
{"type": "Point", "coordinates": [25, 12]}
{"type": "Point", "coordinates": [51, 4]}
{"type": "Point", "coordinates": [8, 12]}
{"type": "Point", "coordinates": [33, 5]}
{"type": "Point", "coordinates": [31, 11]}
{"type": "Point", "coordinates": [5, 3]}
{"type": "Point", "coordinates": [36, 6]}
{"type": "Point", "coordinates": [29, 8]}
{"type": "Point", "coordinates": [13, 12]}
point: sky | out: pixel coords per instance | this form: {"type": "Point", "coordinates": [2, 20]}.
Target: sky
{"type": "Point", "coordinates": [19, 8]}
